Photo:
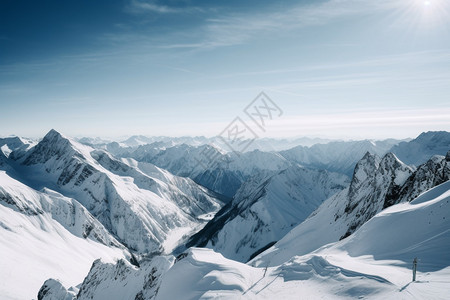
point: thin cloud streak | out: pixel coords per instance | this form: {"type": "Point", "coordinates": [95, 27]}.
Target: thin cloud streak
{"type": "Point", "coordinates": [142, 6]}
{"type": "Point", "coordinates": [235, 29]}
{"type": "Point", "coordinates": [137, 7]}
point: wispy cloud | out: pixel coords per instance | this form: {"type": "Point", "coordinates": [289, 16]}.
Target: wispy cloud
{"type": "Point", "coordinates": [137, 6]}
{"type": "Point", "coordinates": [146, 6]}
{"type": "Point", "coordinates": [230, 28]}
{"type": "Point", "coordinates": [238, 28]}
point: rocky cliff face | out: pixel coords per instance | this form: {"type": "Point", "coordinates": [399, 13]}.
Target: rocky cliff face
{"type": "Point", "coordinates": [432, 173]}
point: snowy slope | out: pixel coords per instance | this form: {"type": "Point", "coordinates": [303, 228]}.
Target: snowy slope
{"type": "Point", "coordinates": [376, 184]}
{"type": "Point", "coordinates": [374, 263]}
{"type": "Point", "coordinates": [44, 234]}
{"type": "Point", "coordinates": [384, 247]}
{"type": "Point", "coordinates": [374, 180]}
{"type": "Point", "coordinates": [141, 211]}
{"type": "Point", "coordinates": [420, 228]}
{"type": "Point", "coordinates": [419, 150]}
{"type": "Point", "coordinates": [262, 213]}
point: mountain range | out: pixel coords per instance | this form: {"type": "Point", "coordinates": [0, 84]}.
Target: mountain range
{"type": "Point", "coordinates": [159, 219]}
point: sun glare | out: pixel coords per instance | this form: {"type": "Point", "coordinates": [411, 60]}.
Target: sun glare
{"type": "Point", "coordinates": [428, 13]}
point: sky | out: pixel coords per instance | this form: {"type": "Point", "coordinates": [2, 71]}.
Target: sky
{"type": "Point", "coordinates": [347, 69]}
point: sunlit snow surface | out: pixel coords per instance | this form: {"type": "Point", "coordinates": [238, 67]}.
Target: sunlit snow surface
{"type": "Point", "coordinates": [49, 234]}
{"type": "Point", "coordinates": [41, 238]}
{"type": "Point", "coordinates": [374, 263]}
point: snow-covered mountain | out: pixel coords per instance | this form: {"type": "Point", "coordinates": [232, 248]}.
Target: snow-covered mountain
{"type": "Point", "coordinates": [218, 171]}
{"type": "Point", "coordinates": [17, 144]}
{"type": "Point", "coordinates": [120, 205]}
{"type": "Point", "coordinates": [141, 211]}
{"type": "Point", "coordinates": [373, 263]}
{"type": "Point", "coordinates": [209, 162]}
{"type": "Point", "coordinates": [264, 210]}
{"type": "Point", "coordinates": [432, 173]}
{"type": "Point", "coordinates": [126, 211]}
{"type": "Point", "coordinates": [44, 234]}
{"type": "Point", "coordinates": [419, 150]}
{"type": "Point", "coordinates": [376, 184]}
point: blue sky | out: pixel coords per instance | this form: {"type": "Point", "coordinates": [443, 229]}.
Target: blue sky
{"type": "Point", "coordinates": [337, 68]}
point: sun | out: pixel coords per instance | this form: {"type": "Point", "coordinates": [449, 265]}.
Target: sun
{"type": "Point", "coordinates": [420, 16]}
{"type": "Point", "coordinates": [427, 13]}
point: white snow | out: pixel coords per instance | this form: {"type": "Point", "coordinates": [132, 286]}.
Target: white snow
{"type": "Point", "coordinates": [87, 198]}
{"type": "Point", "coordinates": [34, 248]}
{"type": "Point", "coordinates": [373, 263]}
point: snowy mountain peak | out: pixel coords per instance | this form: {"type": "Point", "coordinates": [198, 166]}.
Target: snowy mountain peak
{"type": "Point", "coordinates": [52, 146]}
{"type": "Point", "coordinates": [53, 289]}
{"type": "Point", "coordinates": [53, 137]}
{"type": "Point", "coordinates": [390, 159]}
{"type": "Point", "coordinates": [375, 181]}
{"type": "Point", "coordinates": [364, 169]}
{"type": "Point", "coordinates": [369, 159]}
{"type": "Point", "coordinates": [52, 134]}
{"type": "Point", "coordinates": [391, 163]}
